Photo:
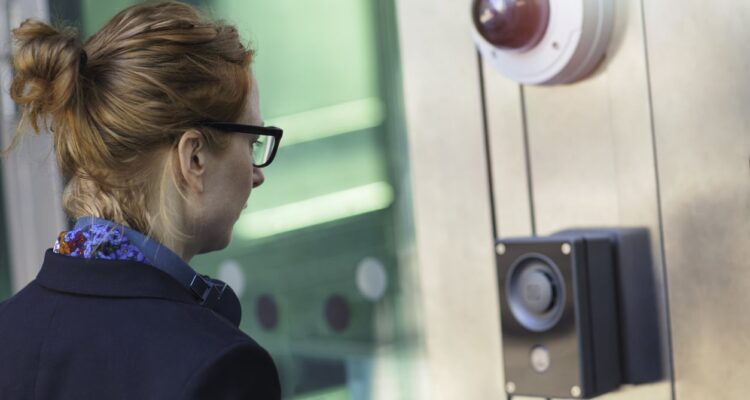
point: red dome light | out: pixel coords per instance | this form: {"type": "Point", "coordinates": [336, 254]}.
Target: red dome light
{"type": "Point", "coordinates": [511, 24]}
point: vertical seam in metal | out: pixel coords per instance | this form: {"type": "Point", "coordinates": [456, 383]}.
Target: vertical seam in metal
{"type": "Point", "coordinates": [527, 157]}
{"type": "Point", "coordinates": [487, 152]}
{"type": "Point", "coordinates": [658, 202]}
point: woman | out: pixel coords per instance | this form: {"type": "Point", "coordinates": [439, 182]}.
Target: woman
{"type": "Point", "coordinates": [155, 125]}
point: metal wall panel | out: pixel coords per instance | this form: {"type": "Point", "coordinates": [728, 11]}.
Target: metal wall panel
{"type": "Point", "coordinates": [590, 155]}
{"type": "Point", "coordinates": [452, 216]}
{"type": "Point", "coordinates": [507, 145]}
{"type": "Point", "coordinates": [600, 153]}
{"type": "Point", "coordinates": [700, 74]}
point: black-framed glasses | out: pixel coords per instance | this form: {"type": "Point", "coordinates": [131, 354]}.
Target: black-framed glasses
{"type": "Point", "coordinates": [264, 148]}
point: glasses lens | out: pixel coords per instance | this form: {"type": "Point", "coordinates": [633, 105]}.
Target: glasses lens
{"type": "Point", "coordinates": [262, 149]}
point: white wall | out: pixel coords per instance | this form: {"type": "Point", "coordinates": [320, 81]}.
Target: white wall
{"type": "Point", "coordinates": [454, 251]}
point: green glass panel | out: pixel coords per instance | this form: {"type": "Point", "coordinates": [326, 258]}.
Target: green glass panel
{"type": "Point", "coordinates": [328, 75]}
{"type": "Point", "coordinates": [94, 13]}
{"type": "Point", "coordinates": [310, 54]}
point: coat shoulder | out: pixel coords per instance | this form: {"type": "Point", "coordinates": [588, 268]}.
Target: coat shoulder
{"type": "Point", "coordinates": [146, 348]}
{"type": "Point", "coordinates": [241, 370]}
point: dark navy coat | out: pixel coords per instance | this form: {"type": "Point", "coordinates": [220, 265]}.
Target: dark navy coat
{"type": "Point", "coordinates": [101, 329]}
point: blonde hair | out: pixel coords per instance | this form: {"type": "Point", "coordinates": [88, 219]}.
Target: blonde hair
{"type": "Point", "coordinates": [112, 103]}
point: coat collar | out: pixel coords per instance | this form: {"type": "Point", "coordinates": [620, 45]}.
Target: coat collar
{"type": "Point", "coordinates": [123, 278]}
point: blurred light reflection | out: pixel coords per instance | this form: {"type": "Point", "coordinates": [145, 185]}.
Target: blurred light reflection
{"type": "Point", "coordinates": [317, 210]}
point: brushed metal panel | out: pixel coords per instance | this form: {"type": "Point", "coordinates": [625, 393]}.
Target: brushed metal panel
{"type": "Point", "coordinates": [450, 189]}
{"type": "Point", "coordinates": [700, 77]}
{"type": "Point", "coordinates": [591, 155]}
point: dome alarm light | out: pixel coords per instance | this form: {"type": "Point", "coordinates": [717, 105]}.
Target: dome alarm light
{"type": "Point", "coordinates": [543, 42]}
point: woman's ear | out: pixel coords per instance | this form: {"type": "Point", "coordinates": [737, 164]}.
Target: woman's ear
{"type": "Point", "coordinates": [191, 159]}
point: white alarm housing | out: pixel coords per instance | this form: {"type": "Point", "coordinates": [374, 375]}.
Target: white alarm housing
{"type": "Point", "coordinates": [573, 44]}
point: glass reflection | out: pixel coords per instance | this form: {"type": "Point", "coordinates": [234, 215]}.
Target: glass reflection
{"type": "Point", "coordinates": [314, 258]}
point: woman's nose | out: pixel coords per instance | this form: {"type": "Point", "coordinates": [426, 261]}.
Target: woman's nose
{"type": "Point", "coordinates": [258, 177]}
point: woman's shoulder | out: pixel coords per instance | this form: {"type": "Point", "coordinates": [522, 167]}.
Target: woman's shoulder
{"type": "Point", "coordinates": [224, 361]}
{"type": "Point", "coordinates": [140, 345]}
{"type": "Point", "coordinates": [240, 370]}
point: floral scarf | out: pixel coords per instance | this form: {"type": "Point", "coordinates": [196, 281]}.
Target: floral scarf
{"type": "Point", "coordinates": [98, 241]}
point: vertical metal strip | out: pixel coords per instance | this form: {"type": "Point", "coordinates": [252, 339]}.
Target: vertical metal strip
{"type": "Point", "coordinates": [7, 110]}
{"type": "Point", "coordinates": [659, 203]}
{"type": "Point", "coordinates": [527, 156]}
{"type": "Point", "coordinates": [487, 152]}
{"type": "Point", "coordinates": [5, 257]}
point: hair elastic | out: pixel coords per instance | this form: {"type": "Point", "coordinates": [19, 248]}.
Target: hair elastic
{"type": "Point", "coordinates": [84, 58]}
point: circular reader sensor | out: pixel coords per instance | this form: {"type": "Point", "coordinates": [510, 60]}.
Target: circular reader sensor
{"type": "Point", "coordinates": [535, 292]}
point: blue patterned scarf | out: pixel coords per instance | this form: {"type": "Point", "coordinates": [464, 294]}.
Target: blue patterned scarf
{"type": "Point", "coordinates": [98, 241]}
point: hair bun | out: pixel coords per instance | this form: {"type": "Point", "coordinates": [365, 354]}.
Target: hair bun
{"type": "Point", "coordinates": [47, 62]}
